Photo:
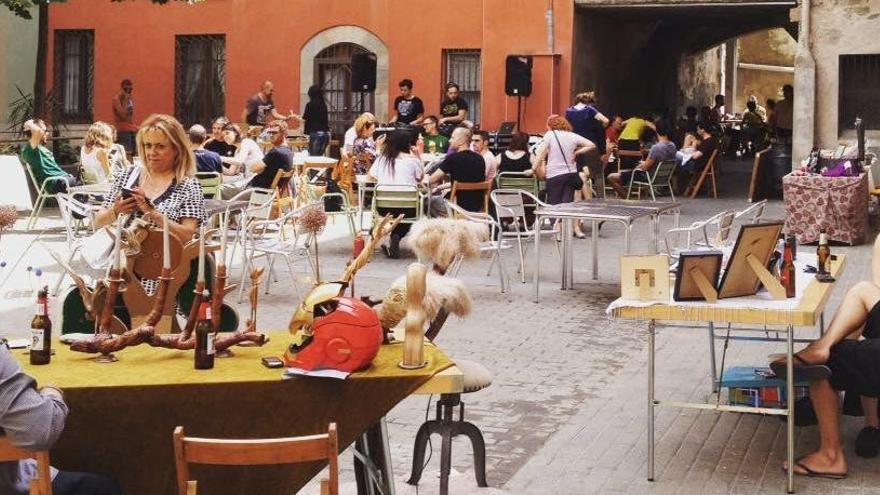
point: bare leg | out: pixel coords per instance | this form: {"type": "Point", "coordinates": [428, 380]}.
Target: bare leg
{"type": "Point", "coordinates": [847, 321]}
{"type": "Point", "coordinates": [614, 180]}
{"type": "Point", "coordinates": [829, 458]}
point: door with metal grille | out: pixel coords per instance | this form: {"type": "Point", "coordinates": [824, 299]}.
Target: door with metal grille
{"type": "Point", "coordinates": [333, 74]}
{"type": "Point", "coordinates": [200, 78]}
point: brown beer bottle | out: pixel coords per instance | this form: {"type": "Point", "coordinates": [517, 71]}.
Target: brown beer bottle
{"type": "Point", "coordinates": [823, 254]}
{"type": "Point", "coordinates": [205, 336]}
{"type": "Point", "coordinates": [41, 330]}
{"type": "Point", "coordinates": [787, 272]}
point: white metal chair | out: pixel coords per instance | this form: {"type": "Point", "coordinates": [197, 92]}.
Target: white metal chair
{"type": "Point", "coordinates": [697, 234]}
{"type": "Point", "coordinates": [509, 205]}
{"type": "Point", "coordinates": [259, 205]}
{"type": "Point", "coordinates": [660, 178]}
{"type": "Point", "coordinates": [74, 228]}
{"type": "Point", "coordinates": [491, 245]}
{"type": "Point", "coordinates": [210, 182]}
{"type": "Point", "coordinates": [43, 192]}
{"type": "Point", "coordinates": [756, 211]}
{"type": "Point", "coordinates": [267, 238]}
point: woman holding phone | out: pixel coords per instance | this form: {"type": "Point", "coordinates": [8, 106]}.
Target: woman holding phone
{"type": "Point", "coordinates": [165, 186]}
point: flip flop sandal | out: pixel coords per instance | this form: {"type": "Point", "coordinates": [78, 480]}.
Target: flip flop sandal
{"type": "Point", "coordinates": [804, 372]}
{"type": "Point", "coordinates": [816, 474]}
{"type": "Point", "coordinates": [868, 442]}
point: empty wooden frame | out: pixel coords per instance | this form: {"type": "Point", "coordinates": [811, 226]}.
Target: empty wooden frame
{"type": "Point", "coordinates": [696, 277]}
{"type": "Point", "coordinates": [747, 268]}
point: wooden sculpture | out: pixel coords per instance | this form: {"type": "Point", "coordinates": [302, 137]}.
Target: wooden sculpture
{"type": "Point", "coordinates": [104, 342]}
{"type": "Point", "coordinates": [414, 341]}
{"type": "Point", "coordinates": [303, 316]}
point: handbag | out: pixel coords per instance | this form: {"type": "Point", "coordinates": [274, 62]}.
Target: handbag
{"type": "Point", "coordinates": [575, 180]}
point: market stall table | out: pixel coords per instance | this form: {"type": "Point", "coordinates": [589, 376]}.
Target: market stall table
{"type": "Point", "coordinates": [597, 210]}
{"type": "Point", "coordinates": [122, 414]}
{"type": "Point", "coordinates": [805, 310]}
{"type": "Point", "coordinates": [839, 205]}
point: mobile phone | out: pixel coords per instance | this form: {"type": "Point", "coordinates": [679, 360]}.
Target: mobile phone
{"type": "Point", "coordinates": [126, 193]}
{"type": "Point", "coordinates": [272, 362]}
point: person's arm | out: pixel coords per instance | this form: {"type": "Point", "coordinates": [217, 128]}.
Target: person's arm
{"type": "Point", "coordinates": [543, 151]}
{"type": "Point", "coordinates": [436, 177]}
{"type": "Point", "coordinates": [603, 119]}
{"type": "Point", "coordinates": [420, 112]}
{"type": "Point", "coordinates": [119, 110]}
{"type": "Point", "coordinates": [646, 164]}
{"type": "Point", "coordinates": [244, 114]}
{"type": "Point", "coordinates": [37, 133]}
{"type": "Point", "coordinates": [875, 262]}
{"type": "Point", "coordinates": [30, 419]}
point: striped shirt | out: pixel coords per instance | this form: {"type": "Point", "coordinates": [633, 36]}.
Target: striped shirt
{"type": "Point", "coordinates": [30, 419]}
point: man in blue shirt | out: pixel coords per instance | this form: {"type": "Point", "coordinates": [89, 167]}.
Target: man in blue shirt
{"type": "Point", "coordinates": [206, 160]}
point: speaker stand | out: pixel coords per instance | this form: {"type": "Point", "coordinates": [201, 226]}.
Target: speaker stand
{"type": "Point", "coordinates": [518, 112]}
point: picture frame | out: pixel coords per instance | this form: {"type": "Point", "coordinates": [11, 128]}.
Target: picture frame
{"type": "Point", "coordinates": [645, 278]}
{"type": "Point", "coordinates": [747, 267]}
{"type": "Point", "coordinates": [696, 276]}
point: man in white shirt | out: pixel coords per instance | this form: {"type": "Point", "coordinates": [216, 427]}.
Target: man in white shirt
{"type": "Point", "coordinates": [480, 145]}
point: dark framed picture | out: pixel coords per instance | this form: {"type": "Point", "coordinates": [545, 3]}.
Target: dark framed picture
{"type": "Point", "coordinates": [687, 287]}
{"type": "Point", "coordinates": [758, 240]}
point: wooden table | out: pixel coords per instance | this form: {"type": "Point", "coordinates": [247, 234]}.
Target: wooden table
{"type": "Point", "coordinates": [807, 311]}
{"type": "Point", "coordinates": [122, 414]}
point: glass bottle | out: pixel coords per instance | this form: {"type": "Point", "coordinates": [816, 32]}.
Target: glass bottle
{"type": "Point", "coordinates": [823, 254]}
{"type": "Point", "coordinates": [204, 359]}
{"type": "Point", "coordinates": [41, 330]}
{"type": "Point", "coordinates": [787, 272]}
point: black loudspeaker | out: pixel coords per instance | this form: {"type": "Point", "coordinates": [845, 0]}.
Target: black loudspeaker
{"type": "Point", "coordinates": [518, 75]}
{"type": "Point", "coordinates": [363, 72]}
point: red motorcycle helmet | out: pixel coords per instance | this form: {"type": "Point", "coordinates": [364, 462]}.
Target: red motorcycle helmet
{"type": "Point", "coordinates": [345, 336]}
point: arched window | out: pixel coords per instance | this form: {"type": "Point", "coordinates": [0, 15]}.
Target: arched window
{"type": "Point", "coordinates": [333, 74]}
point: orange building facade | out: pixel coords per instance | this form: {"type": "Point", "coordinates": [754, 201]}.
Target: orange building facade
{"type": "Point", "coordinates": [195, 60]}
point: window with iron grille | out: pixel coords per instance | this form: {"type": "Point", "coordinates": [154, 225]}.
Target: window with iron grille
{"type": "Point", "coordinates": [859, 91]}
{"type": "Point", "coordinates": [463, 67]}
{"type": "Point", "coordinates": [74, 69]}
{"type": "Point", "coordinates": [199, 78]}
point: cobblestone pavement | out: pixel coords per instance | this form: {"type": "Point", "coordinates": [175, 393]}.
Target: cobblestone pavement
{"type": "Point", "coordinates": [566, 411]}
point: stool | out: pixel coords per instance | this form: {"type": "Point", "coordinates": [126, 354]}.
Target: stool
{"type": "Point", "coordinates": [476, 377]}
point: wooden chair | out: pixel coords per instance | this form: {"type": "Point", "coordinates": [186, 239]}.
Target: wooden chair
{"type": "Point", "coordinates": [283, 198]}
{"type": "Point", "coordinates": [756, 168]}
{"type": "Point", "coordinates": [708, 170]}
{"type": "Point", "coordinates": [485, 187]}
{"type": "Point", "coordinates": [256, 452]}
{"type": "Point", "coordinates": [42, 484]}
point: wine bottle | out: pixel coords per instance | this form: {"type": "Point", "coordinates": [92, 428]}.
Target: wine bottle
{"type": "Point", "coordinates": [41, 330]}
{"type": "Point", "coordinates": [787, 273]}
{"type": "Point", "coordinates": [823, 254]}
{"type": "Point", "coordinates": [204, 359]}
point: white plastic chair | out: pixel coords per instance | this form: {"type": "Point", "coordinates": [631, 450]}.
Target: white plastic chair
{"type": "Point", "coordinates": [74, 228]}
{"type": "Point", "coordinates": [492, 245]}
{"type": "Point", "coordinates": [42, 192]}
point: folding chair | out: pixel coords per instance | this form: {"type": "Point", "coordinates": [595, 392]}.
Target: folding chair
{"type": "Point", "coordinates": [485, 187]}
{"type": "Point", "coordinates": [255, 452]}
{"type": "Point", "coordinates": [708, 170]}
{"type": "Point", "coordinates": [42, 192]}
{"type": "Point", "coordinates": [42, 484]}
{"type": "Point", "coordinates": [659, 179]}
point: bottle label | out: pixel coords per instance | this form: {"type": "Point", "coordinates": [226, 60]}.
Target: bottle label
{"type": "Point", "coordinates": [38, 339]}
{"type": "Point", "coordinates": [210, 344]}
{"type": "Point", "coordinates": [41, 309]}
{"type": "Point", "coordinates": [208, 313]}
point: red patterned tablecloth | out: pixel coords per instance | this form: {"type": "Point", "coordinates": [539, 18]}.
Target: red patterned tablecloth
{"type": "Point", "coordinates": [839, 205]}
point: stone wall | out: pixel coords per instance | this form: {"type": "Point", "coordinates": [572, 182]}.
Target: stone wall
{"type": "Point", "coordinates": [839, 27]}
{"type": "Point", "coordinates": [768, 47]}
{"type": "Point", "coordinates": [699, 79]}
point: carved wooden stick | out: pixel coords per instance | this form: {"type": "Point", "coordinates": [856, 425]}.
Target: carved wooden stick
{"type": "Point", "coordinates": [217, 296]}
{"type": "Point", "coordinates": [193, 311]}
{"type": "Point", "coordinates": [113, 282]}
{"type": "Point", "coordinates": [161, 297]}
{"type": "Point", "coordinates": [414, 341]}
{"type": "Point", "coordinates": [106, 343]}
{"type": "Point", "coordinates": [380, 230]}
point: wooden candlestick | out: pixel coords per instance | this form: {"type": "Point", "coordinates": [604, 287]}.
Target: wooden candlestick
{"type": "Point", "coordinates": [201, 273]}
{"type": "Point", "coordinates": [217, 296]}
{"type": "Point", "coordinates": [414, 340]}
{"type": "Point", "coordinates": [166, 245]}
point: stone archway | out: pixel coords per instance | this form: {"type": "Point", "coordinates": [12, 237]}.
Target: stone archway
{"type": "Point", "coordinates": [346, 34]}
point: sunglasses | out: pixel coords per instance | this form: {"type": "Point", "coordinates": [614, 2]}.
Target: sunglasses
{"type": "Point", "coordinates": [271, 132]}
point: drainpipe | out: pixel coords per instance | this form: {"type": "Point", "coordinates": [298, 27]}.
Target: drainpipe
{"type": "Point", "coordinates": [804, 108]}
{"type": "Point", "coordinates": [550, 51]}
{"type": "Point", "coordinates": [550, 20]}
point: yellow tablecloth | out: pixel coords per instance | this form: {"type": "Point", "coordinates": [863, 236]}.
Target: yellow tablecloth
{"type": "Point", "coordinates": [122, 414]}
